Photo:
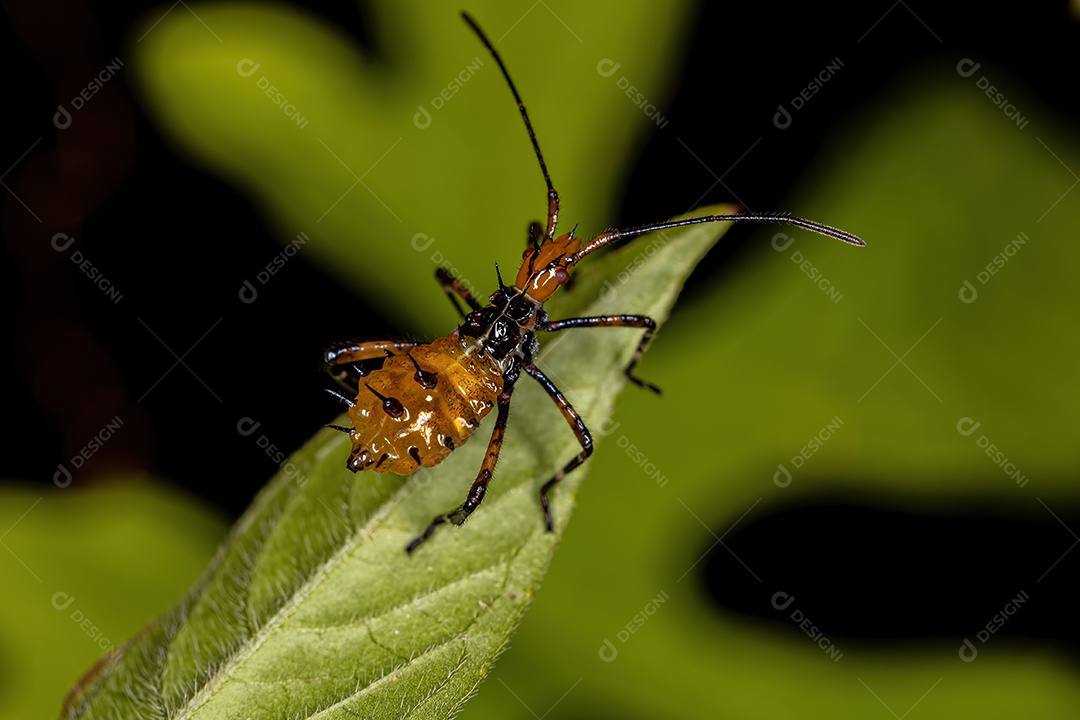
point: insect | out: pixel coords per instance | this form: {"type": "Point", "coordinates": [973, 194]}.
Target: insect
{"type": "Point", "coordinates": [427, 399]}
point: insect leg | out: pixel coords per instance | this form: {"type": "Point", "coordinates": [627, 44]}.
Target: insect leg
{"type": "Point", "coordinates": [479, 487]}
{"type": "Point", "coordinates": [576, 424]}
{"type": "Point", "coordinates": [452, 286]}
{"type": "Point", "coordinates": [640, 321]}
{"type": "Point", "coordinates": [340, 362]}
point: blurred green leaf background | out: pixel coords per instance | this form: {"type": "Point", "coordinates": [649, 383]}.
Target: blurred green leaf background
{"type": "Point", "coordinates": [907, 343]}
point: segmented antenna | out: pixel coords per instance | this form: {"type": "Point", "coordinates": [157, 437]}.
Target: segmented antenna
{"type": "Point", "coordinates": [553, 196]}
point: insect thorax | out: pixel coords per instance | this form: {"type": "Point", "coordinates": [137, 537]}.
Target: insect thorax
{"type": "Point", "coordinates": [502, 331]}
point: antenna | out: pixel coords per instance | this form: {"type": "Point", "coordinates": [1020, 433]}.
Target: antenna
{"type": "Point", "coordinates": [553, 196]}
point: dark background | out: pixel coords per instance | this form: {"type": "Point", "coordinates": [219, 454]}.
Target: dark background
{"type": "Point", "coordinates": [73, 359]}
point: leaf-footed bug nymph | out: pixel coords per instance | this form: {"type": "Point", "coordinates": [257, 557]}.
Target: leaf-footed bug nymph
{"type": "Point", "coordinates": [428, 398]}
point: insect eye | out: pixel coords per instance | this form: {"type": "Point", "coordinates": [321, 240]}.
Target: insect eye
{"type": "Point", "coordinates": [561, 275]}
{"type": "Point", "coordinates": [527, 253]}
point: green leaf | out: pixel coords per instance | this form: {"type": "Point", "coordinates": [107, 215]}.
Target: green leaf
{"type": "Point", "coordinates": [313, 609]}
{"type": "Point", "coordinates": [938, 182]}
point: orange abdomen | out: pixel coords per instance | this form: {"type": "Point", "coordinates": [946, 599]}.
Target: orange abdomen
{"type": "Point", "coordinates": [429, 419]}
